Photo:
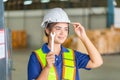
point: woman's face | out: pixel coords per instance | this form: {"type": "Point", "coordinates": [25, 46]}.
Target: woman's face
{"type": "Point", "coordinates": [61, 30]}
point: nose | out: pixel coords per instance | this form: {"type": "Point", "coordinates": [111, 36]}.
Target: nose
{"type": "Point", "coordinates": [62, 31]}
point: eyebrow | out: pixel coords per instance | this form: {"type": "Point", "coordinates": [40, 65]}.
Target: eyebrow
{"type": "Point", "coordinates": [60, 27]}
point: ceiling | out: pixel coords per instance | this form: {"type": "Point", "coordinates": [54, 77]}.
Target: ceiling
{"type": "Point", "coordinates": [41, 4]}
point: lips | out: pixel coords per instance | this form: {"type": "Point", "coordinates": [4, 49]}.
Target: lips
{"type": "Point", "coordinates": [61, 37]}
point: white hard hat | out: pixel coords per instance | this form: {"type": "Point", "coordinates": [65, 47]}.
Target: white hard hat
{"type": "Point", "coordinates": [55, 15]}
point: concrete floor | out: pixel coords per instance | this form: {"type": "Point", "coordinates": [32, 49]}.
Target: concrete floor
{"type": "Point", "coordinates": [110, 70]}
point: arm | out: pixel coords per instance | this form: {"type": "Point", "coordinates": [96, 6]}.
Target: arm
{"type": "Point", "coordinates": [95, 57]}
{"type": "Point", "coordinates": [50, 58]}
{"type": "Point", "coordinates": [44, 74]}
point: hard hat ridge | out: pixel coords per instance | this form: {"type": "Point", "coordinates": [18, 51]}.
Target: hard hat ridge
{"type": "Point", "coordinates": [55, 15]}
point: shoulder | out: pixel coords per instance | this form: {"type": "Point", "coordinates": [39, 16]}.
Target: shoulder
{"type": "Point", "coordinates": [78, 55]}
{"type": "Point", "coordinates": [33, 57]}
{"type": "Point", "coordinates": [75, 52]}
{"type": "Point", "coordinates": [33, 61]}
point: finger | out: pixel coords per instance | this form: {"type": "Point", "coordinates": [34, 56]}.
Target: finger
{"type": "Point", "coordinates": [50, 61]}
{"type": "Point", "coordinates": [50, 56]}
{"type": "Point", "coordinates": [51, 52]}
{"type": "Point", "coordinates": [73, 24]}
{"type": "Point", "coordinates": [76, 25]}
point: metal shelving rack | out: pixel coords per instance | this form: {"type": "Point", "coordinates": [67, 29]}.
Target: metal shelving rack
{"type": "Point", "coordinates": [5, 48]}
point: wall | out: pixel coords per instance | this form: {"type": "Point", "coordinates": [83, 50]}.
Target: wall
{"type": "Point", "coordinates": [117, 17]}
{"type": "Point", "coordinates": [30, 20]}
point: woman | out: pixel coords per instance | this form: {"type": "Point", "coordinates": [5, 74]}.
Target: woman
{"type": "Point", "coordinates": [62, 63]}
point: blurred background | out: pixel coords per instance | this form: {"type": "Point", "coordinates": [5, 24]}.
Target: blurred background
{"type": "Point", "coordinates": [101, 19]}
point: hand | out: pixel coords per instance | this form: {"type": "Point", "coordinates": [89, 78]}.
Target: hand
{"type": "Point", "coordinates": [50, 59]}
{"type": "Point", "coordinates": [79, 30]}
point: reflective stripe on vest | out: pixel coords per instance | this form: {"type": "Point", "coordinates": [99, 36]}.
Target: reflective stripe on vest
{"type": "Point", "coordinates": [68, 69]}
{"type": "Point", "coordinates": [69, 66]}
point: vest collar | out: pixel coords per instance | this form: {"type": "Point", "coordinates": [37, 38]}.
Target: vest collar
{"type": "Point", "coordinates": [45, 48]}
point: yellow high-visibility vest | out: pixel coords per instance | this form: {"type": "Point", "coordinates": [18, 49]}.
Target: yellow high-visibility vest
{"type": "Point", "coordinates": [68, 67]}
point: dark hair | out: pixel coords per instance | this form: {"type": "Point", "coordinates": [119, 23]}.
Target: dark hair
{"type": "Point", "coordinates": [49, 27]}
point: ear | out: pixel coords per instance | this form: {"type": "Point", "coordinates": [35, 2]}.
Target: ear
{"type": "Point", "coordinates": [47, 31]}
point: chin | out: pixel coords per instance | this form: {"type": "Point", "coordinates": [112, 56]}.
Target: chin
{"type": "Point", "coordinates": [60, 42]}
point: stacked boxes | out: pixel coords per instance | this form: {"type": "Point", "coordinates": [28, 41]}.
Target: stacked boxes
{"type": "Point", "coordinates": [19, 39]}
{"type": "Point", "coordinates": [107, 41]}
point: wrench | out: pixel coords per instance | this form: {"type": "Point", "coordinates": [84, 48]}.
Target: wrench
{"type": "Point", "coordinates": [52, 44]}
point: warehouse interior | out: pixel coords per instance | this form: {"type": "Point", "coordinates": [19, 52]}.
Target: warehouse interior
{"type": "Point", "coordinates": [100, 19]}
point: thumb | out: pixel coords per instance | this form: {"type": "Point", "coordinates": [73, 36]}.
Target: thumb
{"type": "Point", "coordinates": [51, 52]}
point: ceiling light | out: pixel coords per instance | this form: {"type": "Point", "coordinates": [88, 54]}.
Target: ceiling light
{"type": "Point", "coordinates": [27, 2]}
{"type": "Point", "coordinates": [114, 3]}
{"type": "Point", "coordinates": [63, 0]}
{"type": "Point", "coordinates": [44, 1]}
{"type": "Point", "coordinates": [5, 0]}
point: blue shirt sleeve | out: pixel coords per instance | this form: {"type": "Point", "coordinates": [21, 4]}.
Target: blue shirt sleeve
{"type": "Point", "coordinates": [34, 67]}
{"type": "Point", "coordinates": [81, 60]}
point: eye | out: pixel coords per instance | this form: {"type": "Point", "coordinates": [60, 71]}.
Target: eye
{"type": "Point", "coordinates": [66, 29]}
{"type": "Point", "coordinates": [58, 28]}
